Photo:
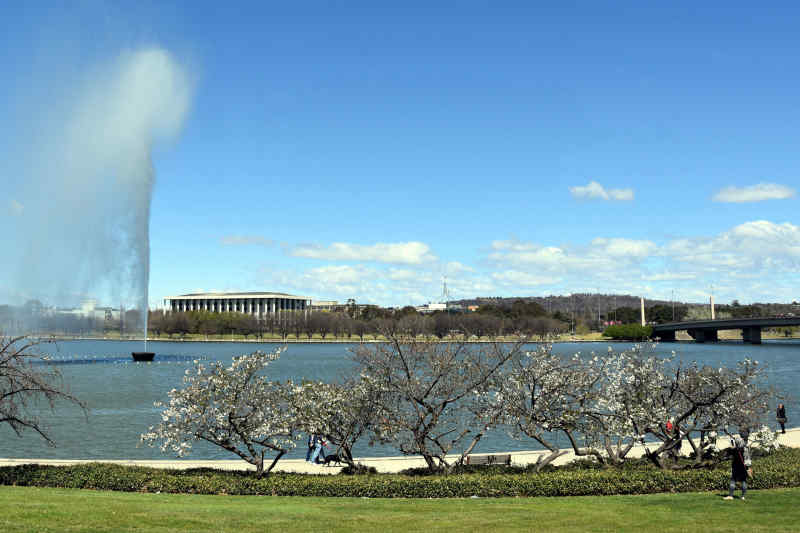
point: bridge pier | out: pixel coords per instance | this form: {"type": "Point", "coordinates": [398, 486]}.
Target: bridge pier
{"type": "Point", "coordinates": [666, 336]}
{"type": "Point", "coordinates": [707, 330]}
{"type": "Point", "coordinates": [751, 335]}
{"type": "Point", "coordinates": [704, 335]}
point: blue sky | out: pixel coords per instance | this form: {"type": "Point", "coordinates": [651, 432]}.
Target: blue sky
{"type": "Point", "coordinates": [349, 149]}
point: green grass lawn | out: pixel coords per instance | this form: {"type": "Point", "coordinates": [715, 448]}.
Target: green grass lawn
{"type": "Point", "coordinates": [66, 510]}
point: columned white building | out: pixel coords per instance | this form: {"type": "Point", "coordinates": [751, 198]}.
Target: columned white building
{"type": "Point", "coordinates": [259, 304]}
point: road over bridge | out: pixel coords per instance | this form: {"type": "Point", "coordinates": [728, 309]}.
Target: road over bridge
{"type": "Point", "coordinates": [707, 330]}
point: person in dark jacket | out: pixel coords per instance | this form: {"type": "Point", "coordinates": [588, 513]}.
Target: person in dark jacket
{"type": "Point", "coordinates": [313, 438]}
{"type": "Point", "coordinates": [781, 417]}
{"type": "Point", "coordinates": [740, 463]}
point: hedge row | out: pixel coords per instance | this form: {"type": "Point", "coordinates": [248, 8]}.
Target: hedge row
{"type": "Point", "coordinates": [781, 469]}
{"type": "Point", "coordinates": [634, 332]}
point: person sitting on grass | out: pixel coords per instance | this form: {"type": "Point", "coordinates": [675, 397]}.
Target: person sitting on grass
{"type": "Point", "coordinates": [741, 464]}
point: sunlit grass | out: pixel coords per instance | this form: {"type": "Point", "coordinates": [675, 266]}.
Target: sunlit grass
{"type": "Point", "coordinates": [39, 509]}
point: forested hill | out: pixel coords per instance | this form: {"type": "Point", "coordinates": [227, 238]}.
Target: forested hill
{"type": "Point", "coordinates": [578, 303]}
{"type": "Point", "coordinates": [590, 305]}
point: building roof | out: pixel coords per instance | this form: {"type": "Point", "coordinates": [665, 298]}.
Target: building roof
{"type": "Point", "coordinates": [224, 295]}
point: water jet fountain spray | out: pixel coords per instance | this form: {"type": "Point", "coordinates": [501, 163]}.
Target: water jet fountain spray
{"type": "Point", "coordinates": [88, 183]}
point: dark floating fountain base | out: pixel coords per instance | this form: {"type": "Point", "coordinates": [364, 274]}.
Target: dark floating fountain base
{"type": "Point", "coordinates": [143, 356]}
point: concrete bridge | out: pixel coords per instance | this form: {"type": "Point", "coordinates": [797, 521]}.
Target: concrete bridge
{"type": "Point", "coordinates": [707, 330]}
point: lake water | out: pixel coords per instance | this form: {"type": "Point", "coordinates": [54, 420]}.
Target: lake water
{"type": "Point", "coordinates": [120, 393]}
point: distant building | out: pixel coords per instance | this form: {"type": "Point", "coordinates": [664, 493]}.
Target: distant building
{"type": "Point", "coordinates": [258, 304]}
{"type": "Point", "coordinates": [324, 305]}
{"type": "Point", "coordinates": [333, 306]}
{"type": "Point", "coordinates": [432, 307]}
{"type": "Point", "coordinates": [89, 309]}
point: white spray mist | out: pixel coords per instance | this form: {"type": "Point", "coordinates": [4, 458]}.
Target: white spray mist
{"type": "Point", "coordinates": [89, 190]}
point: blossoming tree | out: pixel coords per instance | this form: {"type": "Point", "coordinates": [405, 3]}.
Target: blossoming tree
{"type": "Point", "coordinates": [604, 405]}
{"type": "Point", "coordinates": [342, 413]}
{"type": "Point", "coordinates": [234, 407]}
{"type": "Point", "coordinates": [22, 386]}
{"type": "Point", "coordinates": [429, 393]}
{"type": "Point", "coordinates": [545, 395]}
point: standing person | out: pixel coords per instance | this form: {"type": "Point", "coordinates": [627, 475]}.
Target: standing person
{"type": "Point", "coordinates": [318, 444]}
{"type": "Point", "coordinates": [312, 438]}
{"type": "Point", "coordinates": [740, 463]}
{"type": "Point", "coordinates": [674, 432]}
{"type": "Point", "coordinates": [781, 417]}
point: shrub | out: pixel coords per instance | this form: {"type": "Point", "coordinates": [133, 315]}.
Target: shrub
{"type": "Point", "coordinates": [629, 332]}
{"type": "Point", "coordinates": [779, 469]}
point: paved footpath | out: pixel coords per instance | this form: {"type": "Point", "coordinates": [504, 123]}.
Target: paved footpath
{"type": "Point", "coordinates": [382, 464]}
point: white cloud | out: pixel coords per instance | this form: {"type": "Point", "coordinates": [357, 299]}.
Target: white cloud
{"type": "Point", "coordinates": [524, 279]}
{"type": "Point", "coordinates": [594, 190]}
{"type": "Point", "coordinates": [337, 274]}
{"type": "Point", "coordinates": [408, 253]}
{"type": "Point", "coordinates": [626, 248]}
{"type": "Point", "coordinates": [623, 195]}
{"type": "Point", "coordinates": [754, 193]}
{"type": "Point", "coordinates": [519, 253]}
{"type": "Point", "coordinates": [245, 240]}
{"type": "Point", "coordinates": [747, 262]}
{"type": "Point", "coordinates": [669, 276]}
{"type": "Point", "coordinates": [733, 261]}
{"type": "Point", "coordinates": [602, 257]}
{"type": "Point", "coordinates": [15, 208]}
{"type": "Point", "coordinates": [454, 267]}
{"type": "Point", "coordinates": [402, 274]}
{"type": "Point", "coordinates": [758, 244]}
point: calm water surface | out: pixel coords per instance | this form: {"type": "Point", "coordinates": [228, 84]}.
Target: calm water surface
{"type": "Point", "coordinates": [120, 393]}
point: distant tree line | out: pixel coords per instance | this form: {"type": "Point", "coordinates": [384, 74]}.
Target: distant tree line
{"type": "Point", "coordinates": [540, 317]}
{"type": "Point", "coordinates": [324, 325]}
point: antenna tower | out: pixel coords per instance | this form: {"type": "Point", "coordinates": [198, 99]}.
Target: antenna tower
{"type": "Point", "coordinates": [445, 292]}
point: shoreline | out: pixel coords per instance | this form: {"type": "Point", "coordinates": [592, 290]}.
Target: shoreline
{"type": "Point", "coordinates": [57, 338]}
{"type": "Point", "coordinates": [384, 465]}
